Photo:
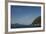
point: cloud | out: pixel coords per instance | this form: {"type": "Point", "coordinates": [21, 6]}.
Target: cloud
{"type": "Point", "coordinates": [26, 20]}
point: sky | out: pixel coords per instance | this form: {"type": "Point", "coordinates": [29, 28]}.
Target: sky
{"type": "Point", "coordinates": [24, 14]}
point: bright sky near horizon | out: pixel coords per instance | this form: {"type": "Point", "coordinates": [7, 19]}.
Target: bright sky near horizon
{"type": "Point", "coordinates": [24, 14]}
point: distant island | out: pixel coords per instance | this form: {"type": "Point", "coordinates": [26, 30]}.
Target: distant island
{"type": "Point", "coordinates": [35, 23]}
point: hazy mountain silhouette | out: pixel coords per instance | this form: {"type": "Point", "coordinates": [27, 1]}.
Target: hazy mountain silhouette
{"type": "Point", "coordinates": [35, 23]}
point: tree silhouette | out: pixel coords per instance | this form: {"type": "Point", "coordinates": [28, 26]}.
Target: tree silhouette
{"type": "Point", "coordinates": [37, 21]}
